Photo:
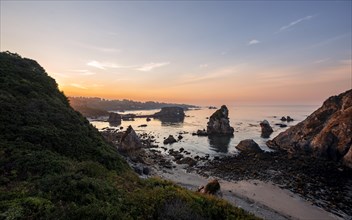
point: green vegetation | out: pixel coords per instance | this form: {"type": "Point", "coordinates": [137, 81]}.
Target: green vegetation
{"type": "Point", "coordinates": [55, 165]}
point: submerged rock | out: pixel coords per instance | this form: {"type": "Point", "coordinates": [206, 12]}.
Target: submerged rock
{"type": "Point", "coordinates": [248, 146]}
{"type": "Point", "coordinates": [200, 133]}
{"type": "Point", "coordinates": [130, 141]}
{"type": "Point", "coordinates": [266, 129]}
{"type": "Point", "coordinates": [219, 123]}
{"type": "Point", "coordinates": [325, 133]}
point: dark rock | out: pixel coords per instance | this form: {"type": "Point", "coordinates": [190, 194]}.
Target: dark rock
{"type": "Point", "coordinates": [281, 125]}
{"type": "Point", "coordinates": [324, 133]}
{"type": "Point", "coordinates": [249, 146]}
{"type": "Point", "coordinates": [212, 187]}
{"type": "Point", "coordinates": [142, 126]}
{"type": "Point", "coordinates": [266, 129]}
{"type": "Point", "coordinates": [196, 157]}
{"type": "Point", "coordinates": [146, 170]}
{"type": "Point", "coordinates": [289, 119]}
{"type": "Point", "coordinates": [128, 117]}
{"type": "Point", "coordinates": [212, 107]}
{"type": "Point", "coordinates": [170, 114]}
{"type": "Point", "coordinates": [170, 140]}
{"type": "Point", "coordinates": [182, 149]}
{"type": "Point", "coordinates": [180, 137]}
{"type": "Point", "coordinates": [148, 119]}
{"type": "Point", "coordinates": [200, 133]}
{"type": "Point", "coordinates": [187, 160]}
{"type": "Point", "coordinates": [283, 119]}
{"type": "Point", "coordinates": [219, 123]}
{"type": "Point", "coordinates": [138, 170]}
{"type": "Point", "coordinates": [129, 141]}
{"type": "Point", "coordinates": [114, 118]}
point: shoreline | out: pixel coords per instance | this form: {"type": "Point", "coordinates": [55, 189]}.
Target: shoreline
{"type": "Point", "coordinates": [263, 199]}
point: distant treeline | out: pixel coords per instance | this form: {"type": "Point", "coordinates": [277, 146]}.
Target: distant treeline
{"type": "Point", "coordinates": [91, 107]}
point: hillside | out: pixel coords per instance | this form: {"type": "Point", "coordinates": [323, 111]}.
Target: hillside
{"type": "Point", "coordinates": [55, 165]}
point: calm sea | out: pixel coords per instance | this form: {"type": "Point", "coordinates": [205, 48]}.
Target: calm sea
{"type": "Point", "coordinates": [245, 120]}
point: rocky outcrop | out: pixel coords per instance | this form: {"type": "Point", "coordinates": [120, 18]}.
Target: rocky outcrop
{"type": "Point", "coordinates": [170, 114]}
{"type": "Point", "coordinates": [219, 123]}
{"type": "Point", "coordinates": [114, 118]}
{"type": "Point", "coordinates": [325, 133]}
{"type": "Point", "coordinates": [248, 146]}
{"type": "Point", "coordinates": [130, 141]}
{"type": "Point", "coordinates": [266, 129]}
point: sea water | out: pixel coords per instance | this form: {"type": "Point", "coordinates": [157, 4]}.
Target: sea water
{"type": "Point", "coordinates": [244, 119]}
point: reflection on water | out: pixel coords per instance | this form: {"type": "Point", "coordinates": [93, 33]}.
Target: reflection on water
{"type": "Point", "coordinates": [174, 122]}
{"type": "Point", "coordinates": [220, 143]}
{"type": "Point", "coordinates": [245, 120]}
{"type": "Point", "coordinates": [114, 124]}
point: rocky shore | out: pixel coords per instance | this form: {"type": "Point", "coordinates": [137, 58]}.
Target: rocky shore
{"type": "Point", "coordinates": [319, 181]}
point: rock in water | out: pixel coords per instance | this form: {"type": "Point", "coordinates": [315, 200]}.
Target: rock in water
{"type": "Point", "coordinates": [170, 140]}
{"type": "Point", "coordinates": [219, 123]}
{"type": "Point", "coordinates": [130, 141]}
{"type": "Point", "coordinates": [327, 132]}
{"type": "Point", "coordinates": [266, 129]}
{"type": "Point", "coordinates": [114, 118]}
{"type": "Point", "coordinates": [170, 114]}
{"type": "Point", "coordinates": [249, 146]}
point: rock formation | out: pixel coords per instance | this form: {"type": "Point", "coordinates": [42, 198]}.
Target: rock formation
{"type": "Point", "coordinates": [266, 129]}
{"type": "Point", "coordinates": [170, 114]}
{"type": "Point", "coordinates": [114, 118]}
{"type": "Point", "coordinates": [170, 140]}
{"type": "Point", "coordinates": [219, 123]}
{"type": "Point", "coordinates": [212, 187]}
{"type": "Point", "coordinates": [326, 133]}
{"type": "Point", "coordinates": [130, 141]}
{"type": "Point", "coordinates": [248, 146]}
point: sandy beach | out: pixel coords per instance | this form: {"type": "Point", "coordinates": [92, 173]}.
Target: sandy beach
{"type": "Point", "coordinates": [263, 199]}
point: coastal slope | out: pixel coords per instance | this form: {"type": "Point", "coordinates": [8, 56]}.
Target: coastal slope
{"type": "Point", "coordinates": [55, 165]}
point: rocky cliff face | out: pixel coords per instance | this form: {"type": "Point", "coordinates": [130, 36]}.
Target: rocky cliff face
{"type": "Point", "coordinates": [325, 133]}
{"type": "Point", "coordinates": [219, 123]}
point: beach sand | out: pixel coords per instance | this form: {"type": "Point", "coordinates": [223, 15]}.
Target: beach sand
{"type": "Point", "coordinates": [263, 199]}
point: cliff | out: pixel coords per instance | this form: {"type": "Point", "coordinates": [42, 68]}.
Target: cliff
{"type": "Point", "coordinates": [327, 132]}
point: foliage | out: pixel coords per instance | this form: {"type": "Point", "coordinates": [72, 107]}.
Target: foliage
{"type": "Point", "coordinates": [55, 165]}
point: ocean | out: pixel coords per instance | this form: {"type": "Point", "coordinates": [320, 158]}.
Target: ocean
{"type": "Point", "coordinates": [244, 119]}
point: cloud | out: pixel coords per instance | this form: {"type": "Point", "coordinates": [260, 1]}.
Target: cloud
{"type": "Point", "coordinates": [104, 65]}
{"type": "Point", "coordinates": [150, 66]}
{"type": "Point", "coordinates": [254, 41]}
{"type": "Point", "coordinates": [78, 86]}
{"type": "Point", "coordinates": [293, 23]}
{"type": "Point", "coordinates": [84, 72]}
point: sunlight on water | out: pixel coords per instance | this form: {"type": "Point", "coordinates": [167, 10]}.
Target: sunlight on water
{"type": "Point", "coordinates": [245, 120]}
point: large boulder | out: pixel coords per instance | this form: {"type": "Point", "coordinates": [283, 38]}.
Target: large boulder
{"type": "Point", "coordinates": [327, 132]}
{"type": "Point", "coordinates": [249, 146]}
{"type": "Point", "coordinates": [170, 114]}
{"type": "Point", "coordinates": [219, 123]}
{"type": "Point", "coordinates": [114, 118]}
{"type": "Point", "coordinates": [130, 141]}
{"type": "Point", "coordinates": [266, 129]}
{"type": "Point", "coordinates": [170, 140]}
{"type": "Point", "coordinates": [212, 187]}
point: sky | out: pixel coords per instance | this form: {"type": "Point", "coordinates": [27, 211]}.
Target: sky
{"type": "Point", "coordinates": [205, 53]}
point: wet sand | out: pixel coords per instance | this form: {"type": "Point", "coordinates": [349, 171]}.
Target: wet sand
{"type": "Point", "coordinates": [263, 199]}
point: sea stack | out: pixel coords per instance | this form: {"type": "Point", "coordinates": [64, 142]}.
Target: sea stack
{"type": "Point", "coordinates": [325, 133]}
{"type": "Point", "coordinates": [266, 129]}
{"type": "Point", "coordinates": [114, 118]}
{"type": "Point", "coordinates": [130, 141]}
{"type": "Point", "coordinates": [219, 123]}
